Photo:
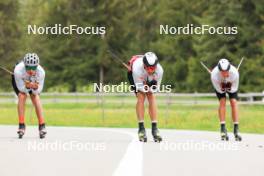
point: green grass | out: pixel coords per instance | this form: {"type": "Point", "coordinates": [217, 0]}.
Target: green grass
{"type": "Point", "coordinates": [194, 117]}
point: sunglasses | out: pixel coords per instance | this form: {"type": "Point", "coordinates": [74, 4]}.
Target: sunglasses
{"type": "Point", "coordinates": [151, 68]}
{"type": "Point", "coordinates": [34, 68]}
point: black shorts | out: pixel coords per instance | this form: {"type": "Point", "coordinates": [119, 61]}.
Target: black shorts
{"type": "Point", "coordinates": [13, 81]}
{"type": "Point", "coordinates": [14, 85]}
{"type": "Point", "coordinates": [131, 81]}
{"type": "Point", "coordinates": [223, 95]}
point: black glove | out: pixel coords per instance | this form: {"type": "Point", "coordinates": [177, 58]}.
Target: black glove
{"type": "Point", "coordinates": [228, 86]}
{"type": "Point", "coordinates": [152, 83]}
{"type": "Point", "coordinates": [223, 87]}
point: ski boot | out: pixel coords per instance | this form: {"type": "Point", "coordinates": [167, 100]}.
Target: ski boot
{"type": "Point", "coordinates": [236, 131]}
{"type": "Point", "coordinates": [156, 135]}
{"type": "Point", "coordinates": [142, 135]}
{"type": "Point", "coordinates": [238, 137]}
{"type": "Point", "coordinates": [224, 135]}
{"type": "Point", "coordinates": [21, 130]}
{"type": "Point", "coordinates": [42, 131]}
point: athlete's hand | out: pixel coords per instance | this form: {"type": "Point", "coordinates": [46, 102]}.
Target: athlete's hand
{"type": "Point", "coordinates": [228, 86]}
{"type": "Point", "coordinates": [152, 83]}
{"type": "Point", "coordinates": [28, 84]}
{"type": "Point", "coordinates": [223, 86]}
{"type": "Point", "coordinates": [34, 86]}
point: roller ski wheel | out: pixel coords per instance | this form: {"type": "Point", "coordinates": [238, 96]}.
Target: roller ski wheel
{"type": "Point", "coordinates": [224, 136]}
{"type": "Point", "coordinates": [238, 137]}
{"type": "Point", "coordinates": [42, 131]}
{"type": "Point", "coordinates": [142, 135]}
{"type": "Point", "coordinates": [42, 134]}
{"type": "Point", "coordinates": [21, 133]}
{"type": "Point", "coordinates": [156, 135]}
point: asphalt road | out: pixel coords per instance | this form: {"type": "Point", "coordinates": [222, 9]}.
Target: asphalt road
{"type": "Point", "coordinates": [109, 151]}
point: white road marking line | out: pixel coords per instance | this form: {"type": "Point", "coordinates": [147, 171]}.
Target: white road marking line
{"type": "Point", "coordinates": [132, 162]}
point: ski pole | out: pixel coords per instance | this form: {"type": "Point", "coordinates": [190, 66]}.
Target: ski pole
{"type": "Point", "coordinates": [118, 59]}
{"type": "Point", "coordinates": [242, 59]}
{"type": "Point", "coordinates": [209, 71]}
{"type": "Point", "coordinates": [6, 70]}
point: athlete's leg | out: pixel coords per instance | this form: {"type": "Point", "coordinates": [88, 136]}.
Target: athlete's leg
{"type": "Point", "coordinates": [153, 115]}
{"type": "Point", "coordinates": [233, 97]}
{"type": "Point", "coordinates": [140, 106]}
{"type": "Point", "coordinates": [222, 114]}
{"type": "Point", "coordinates": [38, 107]}
{"type": "Point", "coordinates": [234, 106]}
{"type": "Point", "coordinates": [222, 110]}
{"type": "Point", "coordinates": [22, 97]}
{"type": "Point", "coordinates": [140, 115]}
{"type": "Point", "coordinates": [152, 106]}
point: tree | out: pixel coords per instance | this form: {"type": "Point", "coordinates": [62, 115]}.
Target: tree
{"type": "Point", "coordinates": [9, 36]}
{"type": "Point", "coordinates": [211, 48]}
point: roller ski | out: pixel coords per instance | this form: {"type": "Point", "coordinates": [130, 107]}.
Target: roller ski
{"type": "Point", "coordinates": [236, 131]}
{"type": "Point", "coordinates": [238, 137]}
{"type": "Point", "coordinates": [42, 131]}
{"type": "Point", "coordinates": [142, 135]}
{"type": "Point", "coordinates": [21, 130]}
{"type": "Point", "coordinates": [224, 135]}
{"type": "Point", "coordinates": [156, 135]}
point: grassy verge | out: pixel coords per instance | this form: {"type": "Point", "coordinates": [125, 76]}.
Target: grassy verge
{"type": "Point", "coordinates": [194, 117]}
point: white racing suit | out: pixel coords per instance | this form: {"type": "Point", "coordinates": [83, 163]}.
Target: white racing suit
{"type": "Point", "coordinates": [20, 77]}
{"type": "Point", "coordinates": [139, 78]}
{"type": "Point", "coordinates": [225, 85]}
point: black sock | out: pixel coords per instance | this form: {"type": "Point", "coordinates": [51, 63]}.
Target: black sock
{"type": "Point", "coordinates": [21, 126]}
{"type": "Point", "coordinates": [236, 128]}
{"type": "Point", "coordinates": [223, 127]}
{"type": "Point", "coordinates": [141, 125]}
{"type": "Point", "coordinates": [41, 126]}
{"type": "Point", "coordinates": [154, 125]}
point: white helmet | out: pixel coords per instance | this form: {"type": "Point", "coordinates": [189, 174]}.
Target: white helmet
{"type": "Point", "coordinates": [223, 65]}
{"type": "Point", "coordinates": [31, 59]}
{"type": "Point", "coordinates": [150, 59]}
